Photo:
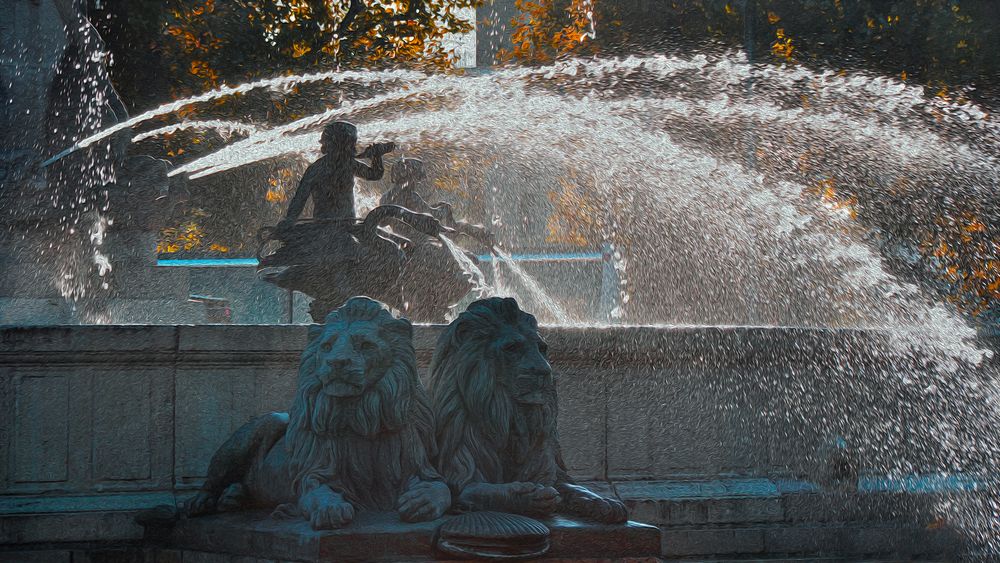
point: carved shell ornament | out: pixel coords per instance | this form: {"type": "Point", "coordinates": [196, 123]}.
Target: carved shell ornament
{"type": "Point", "coordinates": [493, 535]}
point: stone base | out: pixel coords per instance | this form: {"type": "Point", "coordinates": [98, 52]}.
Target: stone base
{"type": "Point", "coordinates": [381, 536]}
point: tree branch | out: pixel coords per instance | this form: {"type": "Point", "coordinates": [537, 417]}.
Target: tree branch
{"type": "Point", "coordinates": [353, 11]}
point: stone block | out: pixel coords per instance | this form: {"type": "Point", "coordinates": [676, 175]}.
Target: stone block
{"type": "Point", "coordinates": [37, 344]}
{"type": "Point", "coordinates": [234, 339]}
{"type": "Point", "coordinates": [62, 527]}
{"type": "Point", "coordinates": [34, 311]}
{"type": "Point", "coordinates": [41, 435]}
{"type": "Point", "coordinates": [680, 503]}
{"type": "Point", "coordinates": [629, 441]}
{"type": "Point", "coordinates": [712, 542]}
{"type": "Point", "coordinates": [744, 511]}
{"type": "Point", "coordinates": [582, 419]}
{"type": "Point", "coordinates": [7, 416]}
{"type": "Point", "coordinates": [660, 423]}
{"type": "Point", "coordinates": [46, 556]}
{"type": "Point", "coordinates": [121, 432]}
{"type": "Point", "coordinates": [204, 418]}
{"type": "Point", "coordinates": [125, 555]}
{"type": "Point", "coordinates": [812, 539]}
{"type": "Point", "coordinates": [214, 402]}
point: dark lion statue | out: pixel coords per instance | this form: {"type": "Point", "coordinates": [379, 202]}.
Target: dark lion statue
{"type": "Point", "coordinates": [495, 411]}
{"type": "Point", "coordinates": [359, 435]}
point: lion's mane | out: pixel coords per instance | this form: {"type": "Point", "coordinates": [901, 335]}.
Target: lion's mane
{"type": "Point", "coordinates": [483, 434]}
{"type": "Point", "coordinates": [367, 447]}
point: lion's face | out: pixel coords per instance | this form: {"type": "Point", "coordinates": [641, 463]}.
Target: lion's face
{"type": "Point", "coordinates": [492, 347]}
{"type": "Point", "coordinates": [351, 357]}
{"type": "Point", "coordinates": [494, 396]}
{"type": "Point", "coordinates": [524, 370]}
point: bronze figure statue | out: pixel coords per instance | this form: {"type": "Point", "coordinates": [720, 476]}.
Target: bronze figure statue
{"type": "Point", "coordinates": [334, 255]}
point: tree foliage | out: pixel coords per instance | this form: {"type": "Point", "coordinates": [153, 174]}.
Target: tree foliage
{"type": "Point", "coordinates": [546, 29]}
{"type": "Point", "coordinates": [196, 45]}
{"type": "Point", "coordinates": [941, 43]}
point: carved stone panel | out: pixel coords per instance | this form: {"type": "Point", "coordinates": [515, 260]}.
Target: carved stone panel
{"type": "Point", "coordinates": [41, 441]}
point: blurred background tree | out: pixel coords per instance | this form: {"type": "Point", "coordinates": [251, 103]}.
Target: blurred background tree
{"type": "Point", "coordinates": [172, 49]}
{"type": "Point", "coordinates": [944, 44]}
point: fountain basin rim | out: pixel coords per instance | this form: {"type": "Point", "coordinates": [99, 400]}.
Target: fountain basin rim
{"type": "Point", "coordinates": [269, 345]}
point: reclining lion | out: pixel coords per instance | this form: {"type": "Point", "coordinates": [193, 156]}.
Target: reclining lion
{"type": "Point", "coordinates": [359, 434]}
{"type": "Point", "coordinates": [495, 409]}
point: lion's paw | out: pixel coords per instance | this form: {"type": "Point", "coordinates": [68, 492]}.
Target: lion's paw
{"type": "Point", "coordinates": [204, 502]}
{"type": "Point", "coordinates": [235, 497]}
{"type": "Point", "coordinates": [326, 509]}
{"type": "Point", "coordinates": [330, 516]}
{"type": "Point", "coordinates": [426, 500]}
{"type": "Point", "coordinates": [606, 510]}
{"type": "Point", "coordinates": [584, 502]}
{"type": "Point", "coordinates": [533, 498]}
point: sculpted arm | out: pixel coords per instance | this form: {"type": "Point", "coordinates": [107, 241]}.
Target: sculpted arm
{"type": "Point", "coordinates": [375, 152]}
{"type": "Point", "coordinates": [373, 172]}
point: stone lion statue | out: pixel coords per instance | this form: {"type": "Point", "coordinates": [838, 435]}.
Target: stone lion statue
{"type": "Point", "coordinates": [495, 411]}
{"type": "Point", "coordinates": [359, 434]}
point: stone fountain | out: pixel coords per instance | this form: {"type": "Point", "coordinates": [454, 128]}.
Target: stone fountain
{"type": "Point", "coordinates": [787, 396]}
{"type": "Point", "coordinates": [397, 473]}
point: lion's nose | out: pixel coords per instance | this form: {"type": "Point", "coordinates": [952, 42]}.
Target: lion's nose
{"type": "Point", "coordinates": [538, 370]}
{"type": "Point", "coordinates": [339, 363]}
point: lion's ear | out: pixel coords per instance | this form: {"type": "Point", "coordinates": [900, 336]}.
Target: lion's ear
{"type": "Point", "coordinates": [400, 327]}
{"type": "Point", "coordinates": [462, 329]}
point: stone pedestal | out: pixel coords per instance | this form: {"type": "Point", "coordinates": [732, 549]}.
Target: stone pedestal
{"type": "Point", "coordinates": [380, 536]}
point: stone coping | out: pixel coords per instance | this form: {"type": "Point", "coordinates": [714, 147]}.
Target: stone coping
{"type": "Point", "coordinates": [381, 536]}
{"type": "Point", "coordinates": [706, 518]}
{"type": "Point", "coordinates": [33, 519]}
{"type": "Point", "coordinates": [591, 346]}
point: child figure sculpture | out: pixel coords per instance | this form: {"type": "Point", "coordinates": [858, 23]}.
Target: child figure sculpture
{"type": "Point", "coordinates": [330, 180]}
{"type": "Point", "coordinates": [330, 257]}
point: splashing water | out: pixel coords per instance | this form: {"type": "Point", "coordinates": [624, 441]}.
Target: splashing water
{"type": "Point", "coordinates": [534, 289]}
{"type": "Point", "coordinates": [667, 175]}
{"type": "Point", "coordinates": [480, 287]}
{"type": "Point", "coordinates": [282, 83]}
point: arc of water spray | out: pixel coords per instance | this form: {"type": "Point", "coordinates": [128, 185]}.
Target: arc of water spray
{"type": "Point", "coordinates": [533, 287]}
{"type": "Point", "coordinates": [218, 161]}
{"type": "Point", "coordinates": [218, 125]}
{"type": "Point", "coordinates": [362, 76]}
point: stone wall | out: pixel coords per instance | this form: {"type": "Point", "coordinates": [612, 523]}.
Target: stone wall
{"type": "Point", "coordinates": [112, 419]}
{"type": "Point", "coordinates": [119, 408]}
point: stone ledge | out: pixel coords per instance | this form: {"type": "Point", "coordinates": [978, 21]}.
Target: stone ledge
{"type": "Point", "coordinates": [844, 540]}
{"type": "Point", "coordinates": [745, 501]}
{"type": "Point", "coordinates": [380, 536]}
{"type": "Point", "coordinates": [109, 518]}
